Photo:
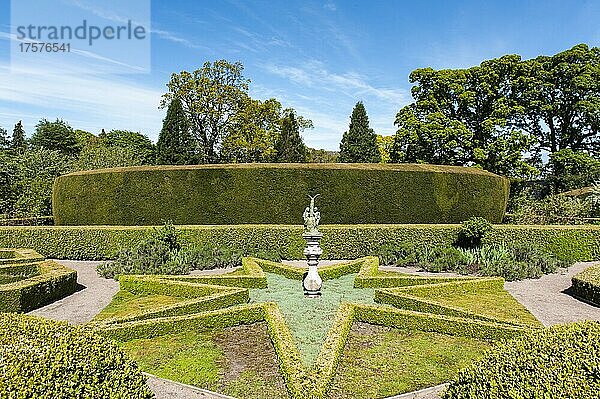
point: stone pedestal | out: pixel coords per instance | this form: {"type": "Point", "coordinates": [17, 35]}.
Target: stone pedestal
{"type": "Point", "coordinates": [312, 281]}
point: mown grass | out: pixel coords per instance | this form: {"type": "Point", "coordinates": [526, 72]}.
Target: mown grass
{"type": "Point", "coordinates": [124, 303]}
{"type": "Point", "coordinates": [379, 362]}
{"type": "Point", "coordinates": [495, 303]}
{"type": "Point", "coordinates": [238, 361]}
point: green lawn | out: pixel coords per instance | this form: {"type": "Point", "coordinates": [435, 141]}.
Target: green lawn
{"type": "Point", "coordinates": [381, 361]}
{"type": "Point", "coordinates": [125, 303]}
{"type": "Point", "coordinates": [238, 361]}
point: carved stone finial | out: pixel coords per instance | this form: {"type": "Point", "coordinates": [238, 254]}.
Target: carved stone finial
{"type": "Point", "coordinates": [312, 216]}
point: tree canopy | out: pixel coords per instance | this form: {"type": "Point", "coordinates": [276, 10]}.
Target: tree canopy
{"type": "Point", "coordinates": [503, 114]}
{"type": "Point", "coordinates": [175, 144]}
{"type": "Point", "coordinates": [55, 136]}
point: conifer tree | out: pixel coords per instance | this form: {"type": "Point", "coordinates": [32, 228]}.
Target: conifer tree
{"type": "Point", "coordinates": [359, 143]}
{"type": "Point", "coordinates": [4, 140]}
{"type": "Point", "coordinates": [175, 144]}
{"type": "Point", "coordinates": [18, 137]}
{"type": "Point", "coordinates": [289, 146]}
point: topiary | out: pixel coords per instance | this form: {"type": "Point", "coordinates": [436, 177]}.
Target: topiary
{"type": "Point", "coordinates": [472, 232]}
{"type": "Point", "coordinates": [48, 359]}
{"type": "Point", "coordinates": [557, 362]}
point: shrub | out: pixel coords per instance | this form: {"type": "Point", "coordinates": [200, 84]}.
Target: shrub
{"type": "Point", "coordinates": [556, 362]}
{"type": "Point", "coordinates": [401, 254]}
{"type": "Point", "coordinates": [276, 193]}
{"type": "Point", "coordinates": [446, 259]}
{"type": "Point", "coordinates": [586, 284]}
{"type": "Point", "coordinates": [472, 232]}
{"type": "Point", "coordinates": [47, 359]}
{"type": "Point", "coordinates": [163, 253]}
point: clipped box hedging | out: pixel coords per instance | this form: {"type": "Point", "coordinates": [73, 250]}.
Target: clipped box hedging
{"type": "Point", "coordinates": [41, 358]}
{"type": "Point", "coordinates": [38, 282]}
{"type": "Point", "coordinates": [581, 243]}
{"type": "Point", "coordinates": [555, 362]}
{"type": "Point", "coordinates": [276, 193]}
{"type": "Point", "coordinates": [586, 284]}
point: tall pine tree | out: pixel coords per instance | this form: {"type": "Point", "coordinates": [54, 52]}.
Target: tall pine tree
{"type": "Point", "coordinates": [175, 144]}
{"type": "Point", "coordinates": [359, 143]}
{"type": "Point", "coordinates": [18, 137]}
{"type": "Point", "coordinates": [4, 140]}
{"type": "Point", "coordinates": [289, 146]}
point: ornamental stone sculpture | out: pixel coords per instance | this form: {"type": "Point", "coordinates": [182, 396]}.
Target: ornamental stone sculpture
{"type": "Point", "coordinates": [312, 281]}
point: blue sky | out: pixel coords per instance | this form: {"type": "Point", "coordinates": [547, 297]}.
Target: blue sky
{"type": "Point", "coordinates": [319, 57]}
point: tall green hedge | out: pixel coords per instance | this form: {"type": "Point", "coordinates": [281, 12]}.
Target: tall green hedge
{"type": "Point", "coordinates": [277, 194]}
{"type": "Point", "coordinates": [339, 242]}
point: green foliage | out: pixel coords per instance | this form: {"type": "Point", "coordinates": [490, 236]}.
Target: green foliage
{"type": "Point", "coordinates": [18, 142]}
{"type": "Point", "coordinates": [96, 154]}
{"type": "Point", "coordinates": [44, 358]}
{"type": "Point", "coordinates": [29, 282]}
{"type": "Point", "coordinates": [570, 243]}
{"type": "Point", "coordinates": [384, 146]}
{"type": "Point", "coordinates": [359, 143]}
{"type": "Point", "coordinates": [162, 253]}
{"type": "Point", "coordinates": [472, 231]}
{"type": "Point", "coordinates": [568, 170]}
{"type": "Point", "coordinates": [502, 114]}
{"type": "Point", "coordinates": [210, 97]}
{"type": "Point", "coordinates": [276, 193]}
{"type": "Point", "coordinates": [464, 117]}
{"type": "Point", "coordinates": [554, 209]}
{"type": "Point", "coordinates": [289, 146]}
{"type": "Point", "coordinates": [556, 362]}
{"type": "Point", "coordinates": [55, 136]}
{"type": "Point", "coordinates": [27, 181]}
{"type": "Point", "coordinates": [321, 156]}
{"type": "Point", "coordinates": [586, 284]}
{"type": "Point", "coordinates": [4, 140]}
{"type": "Point", "coordinates": [175, 144]}
{"type": "Point", "coordinates": [132, 141]}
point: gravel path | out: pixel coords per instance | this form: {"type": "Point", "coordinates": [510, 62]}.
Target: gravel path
{"type": "Point", "coordinates": [548, 298]}
{"type": "Point", "coordinates": [94, 294]}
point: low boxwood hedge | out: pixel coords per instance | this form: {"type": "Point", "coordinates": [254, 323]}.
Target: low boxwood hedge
{"type": "Point", "coordinates": [586, 284]}
{"type": "Point", "coordinates": [276, 193]}
{"type": "Point", "coordinates": [580, 243]}
{"type": "Point", "coordinates": [46, 359]}
{"type": "Point", "coordinates": [39, 282]}
{"type": "Point", "coordinates": [556, 362]}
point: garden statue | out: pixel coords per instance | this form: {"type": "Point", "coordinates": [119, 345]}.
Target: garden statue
{"type": "Point", "coordinates": [312, 281]}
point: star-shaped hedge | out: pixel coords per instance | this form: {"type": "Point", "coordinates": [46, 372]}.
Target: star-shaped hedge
{"type": "Point", "coordinates": [400, 300]}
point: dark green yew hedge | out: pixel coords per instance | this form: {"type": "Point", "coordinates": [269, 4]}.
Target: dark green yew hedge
{"type": "Point", "coordinates": [557, 362]}
{"type": "Point", "coordinates": [47, 359]}
{"type": "Point", "coordinates": [580, 243]}
{"type": "Point", "coordinates": [277, 194]}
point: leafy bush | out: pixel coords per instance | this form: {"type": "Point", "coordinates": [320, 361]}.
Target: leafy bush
{"type": "Point", "coordinates": [556, 362]}
{"type": "Point", "coordinates": [472, 232]}
{"type": "Point", "coordinates": [555, 209]}
{"type": "Point", "coordinates": [512, 262]}
{"type": "Point", "coordinates": [47, 359]}
{"type": "Point", "coordinates": [166, 253]}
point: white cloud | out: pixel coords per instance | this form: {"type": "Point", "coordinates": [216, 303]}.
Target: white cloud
{"type": "Point", "coordinates": [313, 74]}
{"type": "Point", "coordinates": [90, 102]}
{"type": "Point", "coordinates": [330, 6]}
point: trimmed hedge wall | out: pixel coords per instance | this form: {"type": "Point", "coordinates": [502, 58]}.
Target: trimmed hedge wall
{"type": "Point", "coordinates": [277, 193]}
{"type": "Point", "coordinates": [40, 283]}
{"type": "Point", "coordinates": [47, 359]}
{"type": "Point", "coordinates": [582, 243]}
{"type": "Point", "coordinates": [586, 284]}
{"type": "Point", "coordinates": [555, 362]}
